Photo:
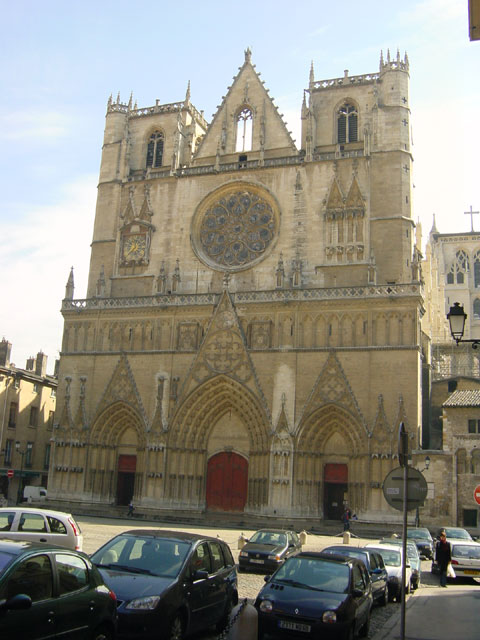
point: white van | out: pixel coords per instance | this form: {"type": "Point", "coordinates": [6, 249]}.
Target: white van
{"type": "Point", "coordinates": [32, 493]}
{"type": "Point", "coordinates": [40, 525]}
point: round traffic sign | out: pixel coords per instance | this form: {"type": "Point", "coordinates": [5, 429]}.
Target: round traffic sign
{"type": "Point", "coordinates": [10, 473]}
{"type": "Point", "coordinates": [416, 488]}
{"type": "Point", "coordinates": [476, 494]}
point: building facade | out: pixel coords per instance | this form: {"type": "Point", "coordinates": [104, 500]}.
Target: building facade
{"type": "Point", "coordinates": [251, 335]}
{"type": "Point", "coordinates": [27, 409]}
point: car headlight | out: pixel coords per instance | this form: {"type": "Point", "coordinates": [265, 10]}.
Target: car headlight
{"type": "Point", "coordinates": [143, 604]}
{"type": "Point", "coordinates": [266, 606]}
{"type": "Point", "coordinates": [277, 557]}
{"type": "Point", "coordinates": [244, 554]}
{"type": "Point", "coordinates": [329, 617]}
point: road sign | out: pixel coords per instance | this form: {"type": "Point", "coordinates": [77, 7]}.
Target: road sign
{"type": "Point", "coordinates": [10, 473]}
{"type": "Point", "coordinates": [476, 494]}
{"type": "Point", "coordinates": [416, 488]}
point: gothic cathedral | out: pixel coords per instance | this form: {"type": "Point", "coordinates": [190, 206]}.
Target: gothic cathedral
{"type": "Point", "coordinates": [250, 340]}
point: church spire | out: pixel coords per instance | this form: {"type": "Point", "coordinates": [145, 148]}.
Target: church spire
{"type": "Point", "coordinates": [312, 76]}
{"type": "Point", "coordinates": [187, 95]}
{"type": "Point", "coordinates": [70, 287]}
{"type": "Point", "coordinates": [248, 55]}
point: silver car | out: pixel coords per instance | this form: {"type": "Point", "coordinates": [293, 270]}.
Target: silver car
{"type": "Point", "coordinates": [40, 525]}
{"type": "Point", "coordinates": [466, 559]}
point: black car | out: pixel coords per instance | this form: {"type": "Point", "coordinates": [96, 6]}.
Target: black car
{"type": "Point", "coordinates": [47, 591]}
{"type": "Point", "coordinates": [375, 567]}
{"type": "Point", "coordinates": [316, 595]}
{"type": "Point", "coordinates": [169, 584]}
{"type": "Point", "coordinates": [422, 538]}
{"type": "Point", "coordinates": [267, 549]}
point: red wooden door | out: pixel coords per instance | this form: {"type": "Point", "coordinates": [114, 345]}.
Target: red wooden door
{"type": "Point", "coordinates": [227, 482]}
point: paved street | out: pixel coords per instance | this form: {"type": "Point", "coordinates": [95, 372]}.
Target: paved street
{"type": "Point", "coordinates": [96, 531]}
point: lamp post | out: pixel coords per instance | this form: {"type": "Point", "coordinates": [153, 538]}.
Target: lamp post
{"type": "Point", "coordinates": [417, 513]}
{"type": "Point", "coordinates": [22, 453]}
{"type": "Point", "coordinates": [456, 318]}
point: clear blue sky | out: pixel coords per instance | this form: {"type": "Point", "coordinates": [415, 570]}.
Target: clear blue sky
{"type": "Point", "coordinates": [61, 60]}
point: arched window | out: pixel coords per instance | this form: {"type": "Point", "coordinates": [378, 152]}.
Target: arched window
{"type": "Point", "coordinates": [476, 268]}
{"type": "Point", "coordinates": [347, 123]}
{"type": "Point", "coordinates": [244, 130]}
{"type": "Point", "coordinates": [462, 266]}
{"type": "Point", "coordinates": [155, 149]}
{"type": "Point", "coordinates": [476, 308]}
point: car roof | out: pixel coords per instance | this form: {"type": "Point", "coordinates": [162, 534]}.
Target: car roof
{"type": "Point", "coordinates": [17, 547]}
{"type": "Point", "coordinates": [47, 512]}
{"type": "Point", "coordinates": [465, 543]}
{"type": "Point", "coordinates": [274, 531]}
{"type": "Point", "coordinates": [379, 546]}
{"type": "Point", "coordinates": [184, 536]}
{"type": "Point", "coordinates": [320, 555]}
{"type": "Point", "coordinates": [341, 547]}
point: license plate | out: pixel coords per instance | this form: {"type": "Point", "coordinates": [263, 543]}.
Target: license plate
{"type": "Point", "coordinates": [471, 572]}
{"type": "Point", "coordinates": [256, 561]}
{"type": "Point", "coordinates": [294, 626]}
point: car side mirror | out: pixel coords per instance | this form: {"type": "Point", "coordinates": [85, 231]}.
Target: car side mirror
{"type": "Point", "coordinates": [16, 603]}
{"type": "Point", "coordinates": [408, 566]}
{"type": "Point", "coordinates": [376, 572]}
{"type": "Point", "coordinates": [200, 574]}
{"type": "Point", "coordinates": [266, 578]}
{"type": "Point", "coordinates": [357, 593]}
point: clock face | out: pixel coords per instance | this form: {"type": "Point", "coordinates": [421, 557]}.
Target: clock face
{"type": "Point", "coordinates": [134, 247]}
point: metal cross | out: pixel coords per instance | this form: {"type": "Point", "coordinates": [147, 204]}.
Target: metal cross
{"type": "Point", "coordinates": [471, 214]}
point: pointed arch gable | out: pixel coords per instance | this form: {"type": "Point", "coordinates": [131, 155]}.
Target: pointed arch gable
{"type": "Point", "coordinates": [319, 427]}
{"type": "Point", "coordinates": [202, 409]}
{"type": "Point", "coordinates": [114, 421]}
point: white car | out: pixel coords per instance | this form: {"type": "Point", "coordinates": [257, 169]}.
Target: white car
{"type": "Point", "coordinates": [392, 558]}
{"type": "Point", "coordinates": [466, 559]}
{"type": "Point", "coordinates": [40, 525]}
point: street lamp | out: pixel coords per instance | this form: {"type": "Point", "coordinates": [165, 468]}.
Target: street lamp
{"type": "Point", "coordinates": [22, 453]}
{"type": "Point", "coordinates": [456, 318]}
{"type": "Point", "coordinates": [417, 513]}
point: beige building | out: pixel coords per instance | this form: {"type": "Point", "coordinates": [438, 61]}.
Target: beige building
{"type": "Point", "coordinates": [27, 408]}
{"type": "Point", "coordinates": [251, 335]}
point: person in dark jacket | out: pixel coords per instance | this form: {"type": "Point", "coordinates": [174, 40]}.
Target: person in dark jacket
{"type": "Point", "coordinates": [443, 556]}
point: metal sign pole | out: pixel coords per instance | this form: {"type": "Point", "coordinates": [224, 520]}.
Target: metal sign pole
{"type": "Point", "coordinates": [403, 457]}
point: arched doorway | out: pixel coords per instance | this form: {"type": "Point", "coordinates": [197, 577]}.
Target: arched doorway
{"type": "Point", "coordinates": [127, 465]}
{"type": "Point", "coordinates": [335, 477]}
{"type": "Point", "coordinates": [227, 482]}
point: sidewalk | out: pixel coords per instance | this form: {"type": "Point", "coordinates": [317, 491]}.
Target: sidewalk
{"type": "Point", "coordinates": [433, 613]}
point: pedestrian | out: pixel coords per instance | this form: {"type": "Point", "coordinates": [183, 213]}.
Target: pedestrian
{"type": "Point", "coordinates": [346, 519]}
{"type": "Point", "coordinates": [443, 557]}
{"type": "Point", "coordinates": [130, 509]}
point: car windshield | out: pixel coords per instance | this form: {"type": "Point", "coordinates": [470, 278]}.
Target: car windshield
{"type": "Point", "coordinates": [143, 554]}
{"type": "Point", "coordinates": [5, 560]}
{"type": "Point", "coordinates": [314, 573]}
{"type": "Point", "coordinates": [462, 534]}
{"type": "Point", "coordinates": [466, 551]}
{"type": "Point", "coordinates": [269, 537]}
{"type": "Point", "coordinates": [418, 534]}
{"type": "Point", "coordinates": [390, 557]}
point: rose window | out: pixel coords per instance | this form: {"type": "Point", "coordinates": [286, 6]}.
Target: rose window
{"type": "Point", "coordinates": [235, 230]}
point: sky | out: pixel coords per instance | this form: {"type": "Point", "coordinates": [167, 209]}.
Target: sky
{"type": "Point", "coordinates": [61, 61]}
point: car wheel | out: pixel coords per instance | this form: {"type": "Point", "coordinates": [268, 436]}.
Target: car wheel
{"type": "Point", "coordinates": [175, 631]}
{"type": "Point", "coordinates": [102, 633]}
{"type": "Point", "coordinates": [365, 629]}
{"type": "Point", "coordinates": [391, 595]}
{"type": "Point", "coordinates": [349, 633]}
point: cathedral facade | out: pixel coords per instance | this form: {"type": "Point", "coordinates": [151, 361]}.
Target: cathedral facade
{"type": "Point", "coordinates": [250, 340]}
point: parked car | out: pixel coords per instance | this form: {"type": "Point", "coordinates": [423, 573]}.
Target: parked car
{"type": "Point", "coordinates": [413, 559]}
{"type": "Point", "coordinates": [267, 549]}
{"type": "Point", "coordinates": [316, 595]}
{"type": "Point", "coordinates": [423, 539]}
{"type": "Point", "coordinates": [455, 533]}
{"type": "Point", "coordinates": [465, 559]}
{"type": "Point", "coordinates": [375, 567]}
{"type": "Point", "coordinates": [33, 493]}
{"type": "Point", "coordinates": [392, 557]}
{"type": "Point", "coordinates": [48, 591]}
{"type": "Point", "coordinates": [40, 525]}
{"type": "Point", "coordinates": [169, 584]}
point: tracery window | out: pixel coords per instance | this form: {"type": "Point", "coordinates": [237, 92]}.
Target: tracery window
{"type": "Point", "coordinates": [155, 149]}
{"type": "Point", "coordinates": [476, 308]}
{"type": "Point", "coordinates": [244, 124]}
{"type": "Point", "coordinates": [476, 268]}
{"type": "Point", "coordinates": [458, 269]}
{"type": "Point", "coordinates": [347, 123]}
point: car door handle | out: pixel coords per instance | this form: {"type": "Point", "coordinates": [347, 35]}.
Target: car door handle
{"type": "Point", "coordinates": [51, 615]}
{"type": "Point", "coordinates": [92, 605]}
{"type": "Point", "coordinates": [43, 540]}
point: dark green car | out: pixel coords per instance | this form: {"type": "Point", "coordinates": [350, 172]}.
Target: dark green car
{"type": "Point", "coordinates": [48, 591]}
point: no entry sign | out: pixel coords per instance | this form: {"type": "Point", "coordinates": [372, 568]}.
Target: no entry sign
{"type": "Point", "coordinates": [10, 473]}
{"type": "Point", "coordinates": [476, 494]}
